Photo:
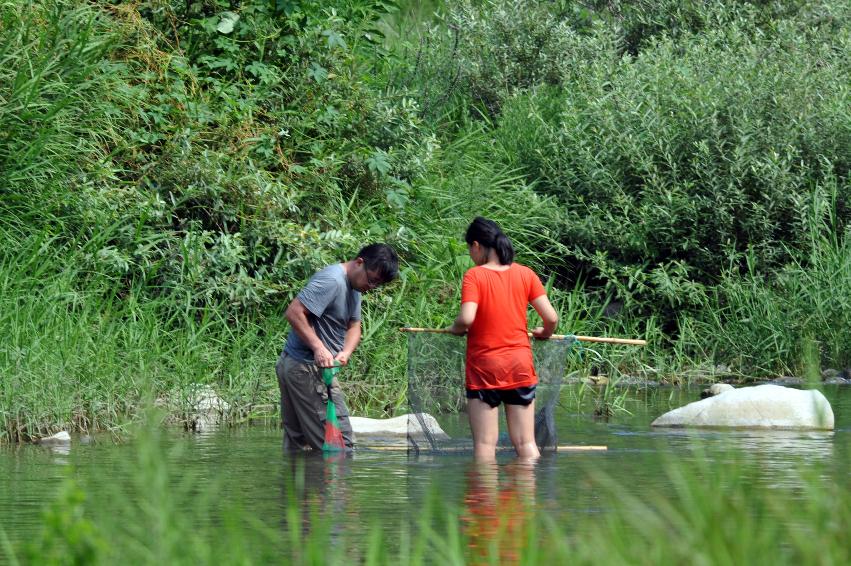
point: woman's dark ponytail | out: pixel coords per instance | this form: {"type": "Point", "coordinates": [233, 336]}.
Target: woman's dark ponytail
{"type": "Point", "coordinates": [488, 234]}
{"type": "Point", "coordinates": [504, 249]}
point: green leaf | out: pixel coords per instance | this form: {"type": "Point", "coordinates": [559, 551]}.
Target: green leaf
{"type": "Point", "coordinates": [334, 39]}
{"type": "Point", "coordinates": [317, 72]}
{"type": "Point", "coordinates": [379, 162]}
{"type": "Point", "coordinates": [227, 22]}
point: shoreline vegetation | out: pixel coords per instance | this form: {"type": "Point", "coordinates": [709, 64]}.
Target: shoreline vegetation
{"type": "Point", "coordinates": [171, 172]}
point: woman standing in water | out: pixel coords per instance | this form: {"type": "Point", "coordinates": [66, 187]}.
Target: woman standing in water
{"type": "Point", "coordinates": [499, 367]}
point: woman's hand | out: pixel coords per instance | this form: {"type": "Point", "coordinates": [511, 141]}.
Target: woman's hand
{"type": "Point", "coordinates": [457, 331]}
{"type": "Point", "coordinates": [540, 333]}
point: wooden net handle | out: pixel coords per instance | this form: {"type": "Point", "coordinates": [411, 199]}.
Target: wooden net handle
{"type": "Point", "coordinates": [598, 339]}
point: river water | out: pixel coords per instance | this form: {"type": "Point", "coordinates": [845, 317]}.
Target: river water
{"type": "Point", "coordinates": [246, 467]}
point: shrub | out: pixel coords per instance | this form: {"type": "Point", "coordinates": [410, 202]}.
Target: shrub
{"type": "Point", "coordinates": [672, 165]}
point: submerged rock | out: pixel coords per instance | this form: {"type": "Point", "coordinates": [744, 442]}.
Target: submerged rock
{"type": "Point", "coordinates": [829, 373]}
{"type": "Point", "coordinates": [398, 426]}
{"type": "Point", "coordinates": [762, 406]}
{"type": "Point", "coordinates": [788, 380]}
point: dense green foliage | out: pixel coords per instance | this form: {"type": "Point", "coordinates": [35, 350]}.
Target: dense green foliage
{"type": "Point", "coordinates": [172, 172]}
{"type": "Point", "coordinates": [676, 157]}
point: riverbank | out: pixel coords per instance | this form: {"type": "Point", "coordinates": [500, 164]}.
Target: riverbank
{"type": "Point", "coordinates": [91, 360]}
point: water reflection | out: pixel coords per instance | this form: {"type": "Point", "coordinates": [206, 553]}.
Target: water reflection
{"type": "Point", "coordinates": [777, 445]}
{"type": "Point", "coordinates": [784, 444]}
{"type": "Point", "coordinates": [780, 452]}
{"type": "Point", "coordinates": [60, 453]}
{"type": "Point", "coordinates": [498, 508]}
{"type": "Point", "coordinates": [315, 487]}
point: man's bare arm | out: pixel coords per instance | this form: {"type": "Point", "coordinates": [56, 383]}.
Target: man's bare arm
{"type": "Point", "coordinates": [350, 342]}
{"type": "Point", "coordinates": [297, 316]}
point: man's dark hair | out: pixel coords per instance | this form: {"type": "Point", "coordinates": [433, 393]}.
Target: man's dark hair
{"type": "Point", "coordinates": [381, 259]}
{"type": "Point", "coordinates": [490, 235]}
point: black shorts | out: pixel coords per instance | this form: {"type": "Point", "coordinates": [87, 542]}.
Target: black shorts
{"type": "Point", "coordinates": [493, 397]}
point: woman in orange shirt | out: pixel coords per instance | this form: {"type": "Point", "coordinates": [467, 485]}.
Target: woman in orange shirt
{"type": "Point", "coordinates": [499, 369]}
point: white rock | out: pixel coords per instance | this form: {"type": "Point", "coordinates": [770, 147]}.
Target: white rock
{"type": "Point", "coordinates": [205, 400]}
{"type": "Point", "coordinates": [61, 437]}
{"type": "Point", "coordinates": [397, 426]}
{"type": "Point", "coordinates": [762, 406]}
{"type": "Point", "coordinates": [207, 408]}
{"type": "Point", "coordinates": [719, 388]}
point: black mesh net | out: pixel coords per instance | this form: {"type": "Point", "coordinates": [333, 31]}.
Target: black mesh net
{"type": "Point", "coordinates": [438, 422]}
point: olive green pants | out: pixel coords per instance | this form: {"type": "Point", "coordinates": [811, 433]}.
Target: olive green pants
{"type": "Point", "coordinates": [304, 400]}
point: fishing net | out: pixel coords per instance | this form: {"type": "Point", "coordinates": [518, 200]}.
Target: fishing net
{"type": "Point", "coordinates": [438, 422]}
{"type": "Point", "coordinates": [333, 434]}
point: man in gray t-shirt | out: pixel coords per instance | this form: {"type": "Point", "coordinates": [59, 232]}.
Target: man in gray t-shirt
{"type": "Point", "coordinates": [332, 304]}
{"type": "Point", "coordinates": [326, 328]}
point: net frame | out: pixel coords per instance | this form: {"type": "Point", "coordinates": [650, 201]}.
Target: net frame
{"type": "Point", "coordinates": [436, 393]}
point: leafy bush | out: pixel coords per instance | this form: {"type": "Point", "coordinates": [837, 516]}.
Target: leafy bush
{"type": "Point", "coordinates": [62, 116]}
{"type": "Point", "coordinates": [672, 165]}
{"type": "Point", "coordinates": [224, 145]}
{"type": "Point", "coordinates": [483, 53]}
{"type": "Point", "coordinates": [171, 172]}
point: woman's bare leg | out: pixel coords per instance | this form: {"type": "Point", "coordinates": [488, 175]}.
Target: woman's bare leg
{"type": "Point", "coordinates": [521, 430]}
{"type": "Point", "coordinates": [484, 423]}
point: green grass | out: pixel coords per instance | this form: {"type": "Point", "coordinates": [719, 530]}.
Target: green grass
{"type": "Point", "coordinates": [87, 360]}
{"type": "Point", "coordinates": [166, 186]}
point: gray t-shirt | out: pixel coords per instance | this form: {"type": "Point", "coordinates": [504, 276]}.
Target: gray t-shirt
{"type": "Point", "coordinates": [332, 304]}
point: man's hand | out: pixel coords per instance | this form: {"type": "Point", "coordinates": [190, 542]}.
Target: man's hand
{"type": "Point", "coordinates": [323, 358]}
{"type": "Point", "coordinates": [297, 316]}
{"type": "Point", "coordinates": [343, 358]}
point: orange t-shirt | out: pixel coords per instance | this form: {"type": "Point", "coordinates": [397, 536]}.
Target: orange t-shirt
{"type": "Point", "coordinates": [499, 355]}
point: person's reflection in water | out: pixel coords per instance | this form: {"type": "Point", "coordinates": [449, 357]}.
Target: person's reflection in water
{"type": "Point", "coordinates": [498, 508]}
{"type": "Point", "coordinates": [315, 488]}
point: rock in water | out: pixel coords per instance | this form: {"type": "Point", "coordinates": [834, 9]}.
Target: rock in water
{"type": "Point", "coordinates": [716, 389]}
{"type": "Point", "coordinates": [397, 426]}
{"type": "Point", "coordinates": [58, 439]}
{"type": "Point", "coordinates": [762, 406]}
{"type": "Point", "coordinates": [208, 408]}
